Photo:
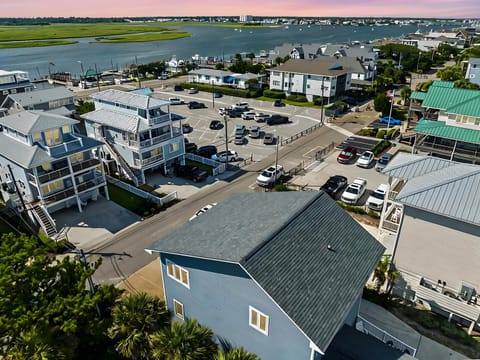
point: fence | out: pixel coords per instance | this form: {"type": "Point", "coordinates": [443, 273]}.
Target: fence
{"type": "Point", "coordinates": [368, 328]}
{"type": "Point", "coordinates": [319, 155]}
{"type": "Point", "coordinates": [143, 194]}
{"type": "Point", "coordinates": [218, 167]}
{"type": "Point", "coordinates": [292, 138]}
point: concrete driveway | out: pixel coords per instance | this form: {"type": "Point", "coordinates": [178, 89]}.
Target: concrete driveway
{"type": "Point", "coordinates": [98, 222]}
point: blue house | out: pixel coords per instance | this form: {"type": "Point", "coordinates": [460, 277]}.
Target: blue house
{"type": "Point", "coordinates": [276, 273]}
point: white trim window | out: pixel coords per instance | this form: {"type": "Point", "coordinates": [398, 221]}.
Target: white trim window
{"type": "Point", "coordinates": [178, 309]}
{"type": "Point", "coordinates": [178, 274]}
{"type": "Point", "coordinates": [258, 320]}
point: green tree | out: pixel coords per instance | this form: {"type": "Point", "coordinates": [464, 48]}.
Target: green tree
{"type": "Point", "coordinates": [423, 86]}
{"type": "Point", "coordinates": [235, 354]}
{"type": "Point", "coordinates": [405, 93]}
{"type": "Point", "coordinates": [40, 291]}
{"type": "Point", "coordinates": [83, 107]}
{"type": "Point", "coordinates": [381, 103]}
{"type": "Point", "coordinates": [450, 73]}
{"type": "Point", "coordinates": [186, 340]}
{"type": "Point", "coordinates": [32, 345]}
{"type": "Point", "coordinates": [251, 56]}
{"type": "Point", "coordinates": [278, 60]}
{"type": "Point", "coordinates": [466, 84]}
{"type": "Point", "coordinates": [135, 319]}
{"type": "Point", "coordinates": [384, 272]}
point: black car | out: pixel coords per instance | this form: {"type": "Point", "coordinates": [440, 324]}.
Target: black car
{"type": "Point", "coordinates": [278, 103]}
{"type": "Point", "coordinates": [277, 119]}
{"type": "Point", "coordinates": [335, 185]}
{"type": "Point", "coordinates": [190, 146]}
{"type": "Point", "coordinates": [206, 151]}
{"type": "Point", "coordinates": [234, 113]}
{"type": "Point", "coordinates": [196, 105]}
{"type": "Point", "coordinates": [216, 124]}
{"type": "Point", "coordinates": [178, 88]}
{"type": "Point", "coordinates": [190, 172]}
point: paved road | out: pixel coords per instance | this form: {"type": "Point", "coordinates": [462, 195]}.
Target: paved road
{"type": "Point", "coordinates": [124, 254]}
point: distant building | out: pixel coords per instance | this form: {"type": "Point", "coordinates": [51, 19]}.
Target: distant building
{"type": "Point", "coordinates": [473, 71]}
{"type": "Point", "coordinates": [13, 82]}
{"type": "Point", "coordinates": [246, 18]}
{"type": "Point", "coordinates": [223, 78]}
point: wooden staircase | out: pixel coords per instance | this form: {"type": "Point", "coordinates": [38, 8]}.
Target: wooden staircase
{"type": "Point", "coordinates": [122, 163]}
{"type": "Point", "coordinates": [46, 222]}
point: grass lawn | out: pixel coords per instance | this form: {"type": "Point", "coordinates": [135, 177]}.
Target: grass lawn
{"type": "Point", "coordinates": [201, 166]}
{"type": "Point", "coordinates": [126, 199]}
{"type": "Point", "coordinates": [285, 101]}
{"type": "Point", "coordinates": [23, 44]}
{"type": "Point", "coordinates": [67, 31]}
{"type": "Point", "coordinates": [167, 35]}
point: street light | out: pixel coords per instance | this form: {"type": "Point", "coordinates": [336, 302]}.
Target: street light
{"type": "Point", "coordinates": [322, 109]}
{"type": "Point", "coordinates": [82, 75]}
{"type": "Point", "coordinates": [213, 93]}
{"type": "Point", "coordinates": [392, 96]}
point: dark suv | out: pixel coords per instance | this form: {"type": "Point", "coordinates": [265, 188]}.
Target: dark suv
{"type": "Point", "coordinates": [206, 151]}
{"type": "Point", "coordinates": [277, 119]}
{"type": "Point", "coordinates": [190, 172]}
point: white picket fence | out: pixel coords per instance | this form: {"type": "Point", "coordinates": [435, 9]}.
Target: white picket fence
{"type": "Point", "coordinates": [143, 194]}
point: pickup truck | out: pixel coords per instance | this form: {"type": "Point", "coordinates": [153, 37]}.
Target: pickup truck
{"type": "Point", "coordinates": [354, 191]}
{"type": "Point", "coordinates": [190, 172]}
{"type": "Point", "coordinates": [270, 176]}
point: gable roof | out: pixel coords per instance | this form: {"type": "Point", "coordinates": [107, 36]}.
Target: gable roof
{"type": "Point", "coordinates": [321, 66]}
{"type": "Point", "coordinates": [29, 122]}
{"type": "Point", "coordinates": [22, 154]}
{"type": "Point", "coordinates": [441, 129]}
{"type": "Point", "coordinates": [281, 240]}
{"type": "Point", "coordinates": [117, 120]}
{"type": "Point", "coordinates": [28, 98]}
{"type": "Point", "coordinates": [129, 98]}
{"type": "Point", "coordinates": [438, 186]}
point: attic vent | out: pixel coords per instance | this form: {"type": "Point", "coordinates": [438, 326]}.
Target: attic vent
{"type": "Point", "coordinates": [336, 66]}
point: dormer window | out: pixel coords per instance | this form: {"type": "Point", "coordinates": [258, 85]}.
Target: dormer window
{"type": "Point", "coordinates": [52, 137]}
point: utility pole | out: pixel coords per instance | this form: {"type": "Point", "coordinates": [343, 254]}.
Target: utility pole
{"type": "Point", "coordinates": [98, 78]}
{"type": "Point", "coordinates": [321, 110]}
{"type": "Point", "coordinates": [225, 119]}
{"type": "Point", "coordinates": [276, 159]}
{"type": "Point", "coordinates": [90, 281]}
{"type": "Point", "coordinates": [213, 93]}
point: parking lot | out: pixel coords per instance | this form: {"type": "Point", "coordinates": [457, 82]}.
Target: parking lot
{"type": "Point", "coordinates": [199, 119]}
{"type": "Point", "coordinates": [360, 143]}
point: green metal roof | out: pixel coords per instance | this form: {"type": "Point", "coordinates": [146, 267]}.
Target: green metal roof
{"type": "Point", "coordinates": [440, 129]}
{"type": "Point", "coordinates": [419, 95]}
{"type": "Point", "coordinates": [444, 84]}
{"type": "Point", "coordinates": [439, 97]}
{"type": "Point", "coordinates": [469, 107]}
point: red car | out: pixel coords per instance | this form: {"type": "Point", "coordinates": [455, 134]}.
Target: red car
{"type": "Point", "coordinates": [347, 155]}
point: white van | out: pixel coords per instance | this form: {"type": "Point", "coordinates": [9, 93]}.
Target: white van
{"type": "Point", "coordinates": [241, 106]}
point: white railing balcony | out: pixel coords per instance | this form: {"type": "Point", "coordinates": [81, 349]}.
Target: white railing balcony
{"type": "Point", "coordinates": [150, 160]}
{"type": "Point", "coordinates": [158, 119]}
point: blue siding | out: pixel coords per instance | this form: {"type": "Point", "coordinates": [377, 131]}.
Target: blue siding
{"type": "Point", "coordinates": [219, 297]}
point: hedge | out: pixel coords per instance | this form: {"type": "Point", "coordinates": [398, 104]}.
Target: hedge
{"type": "Point", "coordinates": [274, 94]}
{"type": "Point", "coordinates": [380, 147]}
{"type": "Point", "coordinates": [297, 98]}
{"type": "Point", "coordinates": [225, 90]}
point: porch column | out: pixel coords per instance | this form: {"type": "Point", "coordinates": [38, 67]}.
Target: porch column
{"type": "Point", "coordinates": [414, 143]}
{"type": "Point", "coordinates": [142, 176]}
{"type": "Point", "coordinates": [450, 317]}
{"type": "Point", "coordinates": [470, 328]}
{"type": "Point", "coordinates": [453, 150]}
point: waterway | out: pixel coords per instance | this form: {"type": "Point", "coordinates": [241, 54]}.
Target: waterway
{"type": "Point", "coordinates": [205, 41]}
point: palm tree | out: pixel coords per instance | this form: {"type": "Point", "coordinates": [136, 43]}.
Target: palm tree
{"type": "Point", "coordinates": [31, 345]}
{"type": "Point", "coordinates": [186, 340]}
{"type": "Point", "coordinates": [134, 319]}
{"type": "Point", "coordinates": [235, 354]}
{"type": "Point", "coordinates": [405, 94]}
{"type": "Point", "coordinates": [385, 271]}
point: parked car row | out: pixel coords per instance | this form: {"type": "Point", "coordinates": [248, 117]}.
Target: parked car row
{"type": "Point", "coordinates": [366, 160]}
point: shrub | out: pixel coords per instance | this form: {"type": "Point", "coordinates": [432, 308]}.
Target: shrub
{"type": "Point", "coordinates": [281, 187]}
{"type": "Point", "coordinates": [391, 132]}
{"type": "Point", "coordinates": [274, 94]}
{"type": "Point", "coordinates": [297, 98]}
{"type": "Point", "coordinates": [452, 331]}
{"type": "Point", "coordinates": [427, 320]}
{"type": "Point", "coordinates": [373, 214]}
{"type": "Point", "coordinates": [368, 132]}
{"type": "Point", "coordinates": [381, 134]}
{"type": "Point", "coordinates": [352, 208]}
{"type": "Point", "coordinates": [381, 146]}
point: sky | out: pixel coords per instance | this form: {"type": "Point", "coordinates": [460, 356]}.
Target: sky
{"type": "Point", "coordinates": [314, 8]}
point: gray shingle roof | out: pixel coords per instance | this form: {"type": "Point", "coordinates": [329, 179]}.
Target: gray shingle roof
{"type": "Point", "coordinates": [282, 239]}
{"type": "Point", "coordinates": [29, 122]}
{"type": "Point", "coordinates": [41, 96]}
{"type": "Point", "coordinates": [129, 98]}
{"type": "Point", "coordinates": [321, 66]}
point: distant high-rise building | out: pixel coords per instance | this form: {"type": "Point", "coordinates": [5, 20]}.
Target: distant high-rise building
{"type": "Point", "coordinates": [246, 18]}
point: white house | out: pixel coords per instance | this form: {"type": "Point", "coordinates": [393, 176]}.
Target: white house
{"type": "Point", "coordinates": [223, 78]}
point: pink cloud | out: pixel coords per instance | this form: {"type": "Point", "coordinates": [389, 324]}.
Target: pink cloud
{"type": "Point", "coordinates": [115, 8]}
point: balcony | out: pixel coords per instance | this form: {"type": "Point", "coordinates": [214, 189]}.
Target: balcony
{"type": "Point", "coordinates": [54, 175]}
{"type": "Point", "coordinates": [59, 196]}
{"type": "Point", "coordinates": [392, 218]}
{"type": "Point", "coordinates": [155, 120]}
{"type": "Point", "coordinates": [82, 165]}
{"type": "Point", "coordinates": [150, 160]}
{"type": "Point", "coordinates": [87, 185]}
{"type": "Point", "coordinates": [448, 301]}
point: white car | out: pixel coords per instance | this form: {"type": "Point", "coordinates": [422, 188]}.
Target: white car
{"type": "Point", "coordinates": [366, 159]}
{"type": "Point", "coordinates": [202, 210]}
{"type": "Point", "coordinates": [248, 115]}
{"type": "Point", "coordinates": [270, 175]}
{"type": "Point", "coordinates": [261, 117]}
{"type": "Point", "coordinates": [354, 191]}
{"type": "Point", "coordinates": [224, 156]}
{"type": "Point", "coordinates": [241, 106]}
{"type": "Point", "coordinates": [377, 198]}
{"type": "Point", "coordinates": [176, 101]}
{"type": "Point", "coordinates": [254, 132]}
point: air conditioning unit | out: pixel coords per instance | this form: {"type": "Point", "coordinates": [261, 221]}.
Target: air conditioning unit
{"type": "Point", "coordinates": [472, 76]}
